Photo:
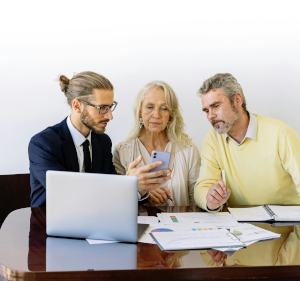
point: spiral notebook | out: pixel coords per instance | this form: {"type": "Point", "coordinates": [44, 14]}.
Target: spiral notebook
{"type": "Point", "coordinates": [266, 213]}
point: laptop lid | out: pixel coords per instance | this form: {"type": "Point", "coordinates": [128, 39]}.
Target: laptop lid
{"type": "Point", "coordinates": [95, 206]}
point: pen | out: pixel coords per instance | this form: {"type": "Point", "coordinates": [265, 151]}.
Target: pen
{"type": "Point", "coordinates": [224, 180]}
{"type": "Point", "coordinates": [170, 198]}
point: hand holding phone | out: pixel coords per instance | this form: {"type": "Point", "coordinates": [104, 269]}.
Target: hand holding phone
{"type": "Point", "coordinates": [160, 156]}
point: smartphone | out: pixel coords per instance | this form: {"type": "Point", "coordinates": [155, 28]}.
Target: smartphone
{"type": "Point", "coordinates": [160, 156]}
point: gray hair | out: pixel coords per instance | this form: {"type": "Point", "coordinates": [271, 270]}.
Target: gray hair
{"type": "Point", "coordinates": [176, 127]}
{"type": "Point", "coordinates": [229, 85]}
{"type": "Point", "coordinates": [82, 85]}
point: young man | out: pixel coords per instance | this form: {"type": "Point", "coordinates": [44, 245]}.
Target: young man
{"type": "Point", "coordinates": [260, 155]}
{"type": "Point", "coordinates": [79, 144]}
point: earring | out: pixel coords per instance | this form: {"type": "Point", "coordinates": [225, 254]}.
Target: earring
{"type": "Point", "coordinates": [141, 122]}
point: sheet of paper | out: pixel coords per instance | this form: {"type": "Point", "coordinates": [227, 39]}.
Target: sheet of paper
{"type": "Point", "coordinates": [234, 249]}
{"type": "Point", "coordinates": [189, 240]}
{"type": "Point", "coordinates": [146, 238]}
{"type": "Point", "coordinates": [286, 213]}
{"type": "Point", "coordinates": [96, 241]}
{"type": "Point", "coordinates": [247, 232]}
{"type": "Point", "coordinates": [151, 220]}
{"type": "Point", "coordinates": [250, 214]}
{"type": "Point", "coordinates": [222, 219]}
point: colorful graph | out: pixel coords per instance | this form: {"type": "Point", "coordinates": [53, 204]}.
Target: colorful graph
{"type": "Point", "coordinates": [237, 233]}
{"type": "Point", "coordinates": [174, 219]}
{"type": "Point", "coordinates": [162, 230]}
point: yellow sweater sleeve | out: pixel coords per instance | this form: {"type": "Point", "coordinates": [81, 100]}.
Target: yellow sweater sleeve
{"type": "Point", "coordinates": [289, 153]}
{"type": "Point", "coordinates": [210, 172]}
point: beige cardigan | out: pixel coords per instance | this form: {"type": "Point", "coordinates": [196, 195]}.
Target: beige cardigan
{"type": "Point", "coordinates": [185, 164]}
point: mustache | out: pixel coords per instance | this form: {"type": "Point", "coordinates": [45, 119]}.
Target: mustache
{"type": "Point", "coordinates": [104, 121]}
{"type": "Point", "coordinates": [213, 122]}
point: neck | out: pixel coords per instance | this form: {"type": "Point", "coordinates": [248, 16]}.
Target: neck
{"type": "Point", "coordinates": [154, 141]}
{"type": "Point", "coordinates": [75, 119]}
{"type": "Point", "coordinates": [239, 129]}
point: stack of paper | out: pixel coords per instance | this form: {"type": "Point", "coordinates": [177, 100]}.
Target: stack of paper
{"type": "Point", "coordinates": [192, 240]}
{"type": "Point", "coordinates": [146, 238]}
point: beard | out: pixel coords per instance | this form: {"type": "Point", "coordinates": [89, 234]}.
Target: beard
{"type": "Point", "coordinates": [87, 121]}
{"type": "Point", "coordinates": [225, 127]}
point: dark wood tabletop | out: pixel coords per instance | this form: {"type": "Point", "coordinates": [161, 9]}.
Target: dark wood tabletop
{"type": "Point", "coordinates": [27, 253]}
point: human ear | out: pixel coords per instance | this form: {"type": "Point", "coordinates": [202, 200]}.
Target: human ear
{"type": "Point", "coordinates": [238, 100]}
{"type": "Point", "coordinates": [77, 106]}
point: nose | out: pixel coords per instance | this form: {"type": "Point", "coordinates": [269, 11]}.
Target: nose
{"type": "Point", "coordinates": [211, 115]}
{"type": "Point", "coordinates": [108, 115]}
{"type": "Point", "coordinates": [156, 112]}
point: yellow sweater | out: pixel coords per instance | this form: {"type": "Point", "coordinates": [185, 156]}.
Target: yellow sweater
{"type": "Point", "coordinates": [265, 171]}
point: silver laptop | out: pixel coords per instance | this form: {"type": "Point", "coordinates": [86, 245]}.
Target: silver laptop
{"type": "Point", "coordinates": [95, 206]}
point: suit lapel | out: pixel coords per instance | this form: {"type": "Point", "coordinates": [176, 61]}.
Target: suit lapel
{"type": "Point", "coordinates": [96, 154]}
{"type": "Point", "coordinates": [69, 145]}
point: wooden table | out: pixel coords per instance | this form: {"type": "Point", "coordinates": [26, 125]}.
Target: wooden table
{"type": "Point", "coordinates": [26, 253]}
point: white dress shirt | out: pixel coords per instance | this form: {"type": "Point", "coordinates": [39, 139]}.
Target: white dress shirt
{"type": "Point", "coordinates": [251, 131]}
{"type": "Point", "coordinates": [78, 140]}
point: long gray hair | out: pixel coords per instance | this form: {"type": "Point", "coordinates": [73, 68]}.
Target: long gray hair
{"type": "Point", "coordinates": [176, 127]}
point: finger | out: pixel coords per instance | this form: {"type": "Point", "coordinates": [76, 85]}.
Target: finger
{"type": "Point", "coordinates": [212, 252]}
{"type": "Point", "coordinates": [153, 198]}
{"type": "Point", "coordinates": [151, 166]}
{"type": "Point", "coordinates": [228, 193]}
{"type": "Point", "coordinates": [135, 162]}
{"type": "Point", "coordinates": [221, 183]}
{"type": "Point", "coordinates": [159, 196]}
{"type": "Point", "coordinates": [163, 194]}
{"type": "Point", "coordinates": [217, 192]}
{"type": "Point", "coordinates": [159, 173]}
{"type": "Point", "coordinates": [155, 180]}
{"type": "Point", "coordinates": [149, 187]}
{"type": "Point", "coordinates": [166, 190]}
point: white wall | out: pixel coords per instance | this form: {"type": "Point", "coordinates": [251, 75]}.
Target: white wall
{"type": "Point", "coordinates": [133, 43]}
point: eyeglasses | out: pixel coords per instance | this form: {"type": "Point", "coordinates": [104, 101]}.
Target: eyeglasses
{"type": "Point", "coordinates": [103, 109]}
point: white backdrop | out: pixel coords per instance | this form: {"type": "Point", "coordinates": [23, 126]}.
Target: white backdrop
{"type": "Point", "coordinates": [133, 43]}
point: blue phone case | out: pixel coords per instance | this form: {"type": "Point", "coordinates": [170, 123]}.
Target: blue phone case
{"type": "Point", "coordinates": [160, 156]}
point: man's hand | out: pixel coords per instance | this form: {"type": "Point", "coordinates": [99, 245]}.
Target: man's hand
{"type": "Point", "coordinates": [216, 195]}
{"type": "Point", "coordinates": [159, 196]}
{"type": "Point", "coordinates": [217, 256]}
{"type": "Point", "coordinates": [147, 181]}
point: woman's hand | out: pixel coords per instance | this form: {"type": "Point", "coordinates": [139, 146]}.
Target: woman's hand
{"type": "Point", "coordinates": [159, 196]}
{"type": "Point", "coordinates": [147, 181]}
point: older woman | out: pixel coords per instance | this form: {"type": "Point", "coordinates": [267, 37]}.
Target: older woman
{"type": "Point", "coordinates": [158, 125]}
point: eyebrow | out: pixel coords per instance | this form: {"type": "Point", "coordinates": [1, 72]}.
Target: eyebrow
{"type": "Point", "coordinates": [153, 103]}
{"type": "Point", "coordinates": [211, 105]}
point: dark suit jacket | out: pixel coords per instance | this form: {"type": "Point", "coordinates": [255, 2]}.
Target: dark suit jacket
{"type": "Point", "coordinates": [54, 149]}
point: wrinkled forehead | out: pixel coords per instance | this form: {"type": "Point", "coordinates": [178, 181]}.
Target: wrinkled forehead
{"type": "Point", "coordinates": [212, 97]}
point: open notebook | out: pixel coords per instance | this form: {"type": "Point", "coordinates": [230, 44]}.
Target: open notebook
{"type": "Point", "coordinates": [266, 213]}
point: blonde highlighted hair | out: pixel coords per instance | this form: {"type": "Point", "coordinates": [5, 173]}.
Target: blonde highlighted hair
{"type": "Point", "coordinates": [176, 127]}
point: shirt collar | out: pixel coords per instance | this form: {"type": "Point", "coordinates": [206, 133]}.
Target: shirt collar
{"type": "Point", "coordinates": [251, 131]}
{"type": "Point", "coordinates": [77, 137]}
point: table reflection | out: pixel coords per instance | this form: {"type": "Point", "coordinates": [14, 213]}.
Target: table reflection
{"type": "Point", "coordinates": [283, 251]}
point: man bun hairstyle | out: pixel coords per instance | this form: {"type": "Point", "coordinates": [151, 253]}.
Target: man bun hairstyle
{"type": "Point", "coordinates": [228, 84]}
{"type": "Point", "coordinates": [82, 84]}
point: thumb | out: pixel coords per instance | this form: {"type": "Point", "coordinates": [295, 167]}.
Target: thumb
{"type": "Point", "coordinates": [135, 162]}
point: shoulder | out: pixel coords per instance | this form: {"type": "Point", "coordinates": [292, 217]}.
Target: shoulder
{"type": "Point", "coordinates": [103, 138]}
{"type": "Point", "coordinates": [273, 126]}
{"type": "Point", "coordinates": [270, 122]}
{"type": "Point", "coordinates": [125, 145]}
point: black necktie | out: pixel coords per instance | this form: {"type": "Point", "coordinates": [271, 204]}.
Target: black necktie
{"type": "Point", "coordinates": [87, 157]}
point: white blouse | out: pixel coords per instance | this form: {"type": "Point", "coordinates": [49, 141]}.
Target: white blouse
{"type": "Point", "coordinates": [184, 162]}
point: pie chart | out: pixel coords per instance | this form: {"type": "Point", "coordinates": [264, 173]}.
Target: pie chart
{"type": "Point", "coordinates": [162, 230]}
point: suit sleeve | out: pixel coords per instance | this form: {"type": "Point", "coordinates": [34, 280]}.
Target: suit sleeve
{"type": "Point", "coordinates": [43, 157]}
